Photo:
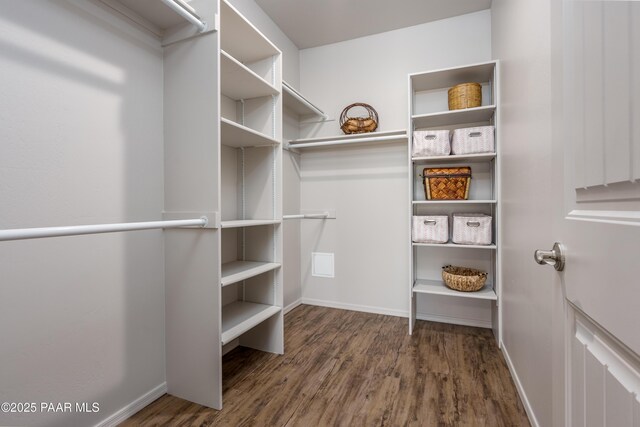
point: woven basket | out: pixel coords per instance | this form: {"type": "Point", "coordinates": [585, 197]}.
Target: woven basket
{"type": "Point", "coordinates": [465, 95]}
{"type": "Point", "coordinates": [447, 183]}
{"type": "Point", "coordinates": [351, 125]}
{"type": "Point", "coordinates": [463, 279]}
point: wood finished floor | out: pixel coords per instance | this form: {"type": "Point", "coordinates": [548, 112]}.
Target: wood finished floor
{"type": "Point", "coordinates": [345, 368]}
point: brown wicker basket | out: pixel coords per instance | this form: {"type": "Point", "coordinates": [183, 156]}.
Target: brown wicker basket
{"type": "Point", "coordinates": [447, 183]}
{"type": "Point", "coordinates": [463, 279]}
{"type": "Point", "coordinates": [351, 125]}
{"type": "Point", "coordinates": [465, 95]}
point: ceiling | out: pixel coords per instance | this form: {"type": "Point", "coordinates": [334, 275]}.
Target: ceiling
{"type": "Point", "coordinates": [310, 23]}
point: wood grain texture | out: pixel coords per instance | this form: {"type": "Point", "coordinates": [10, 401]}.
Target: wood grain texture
{"type": "Point", "coordinates": [345, 368]}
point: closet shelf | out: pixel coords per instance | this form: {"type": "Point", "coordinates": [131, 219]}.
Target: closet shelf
{"type": "Point", "coordinates": [240, 38]}
{"type": "Point", "coordinates": [454, 117]}
{"type": "Point", "coordinates": [362, 138]}
{"type": "Point", "coordinates": [448, 77]}
{"type": "Point", "coordinates": [454, 245]}
{"type": "Point", "coordinates": [238, 82]}
{"type": "Point", "coordinates": [293, 100]}
{"type": "Point", "coordinates": [237, 135]}
{"type": "Point", "coordinates": [248, 223]}
{"type": "Point", "coordinates": [240, 316]}
{"type": "Point", "coordinates": [437, 287]}
{"type": "Point", "coordinates": [158, 16]}
{"type": "Point", "coordinates": [453, 202]}
{"type": "Point", "coordinates": [237, 271]}
{"type": "Point", "coordinates": [454, 158]}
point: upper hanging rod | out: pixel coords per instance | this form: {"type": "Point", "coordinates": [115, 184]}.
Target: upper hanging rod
{"type": "Point", "coordinates": [304, 216]}
{"type": "Point", "coordinates": [75, 230]}
{"type": "Point", "coordinates": [298, 96]}
{"type": "Point", "coordinates": [187, 12]}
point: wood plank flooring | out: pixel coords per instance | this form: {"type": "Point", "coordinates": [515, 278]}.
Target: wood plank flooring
{"type": "Point", "coordinates": [345, 368]}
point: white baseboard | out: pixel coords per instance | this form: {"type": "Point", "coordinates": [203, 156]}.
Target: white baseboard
{"type": "Point", "coordinates": [133, 407]}
{"type": "Point", "coordinates": [354, 307]}
{"type": "Point", "coordinates": [291, 306]}
{"type": "Point", "coordinates": [523, 396]}
{"type": "Point", "coordinates": [478, 323]}
{"type": "Point", "coordinates": [398, 313]}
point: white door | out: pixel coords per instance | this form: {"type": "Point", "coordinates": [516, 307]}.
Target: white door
{"type": "Point", "coordinates": [597, 140]}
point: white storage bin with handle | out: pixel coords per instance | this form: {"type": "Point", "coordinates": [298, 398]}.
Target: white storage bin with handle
{"type": "Point", "coordinates": [430, 229]}
{"type": "Point", "coordinates": [431, 143]}
{"type": "Point", "coordinates": [472, 229]}
{"type": "Point", "coordinates": [474, 140]}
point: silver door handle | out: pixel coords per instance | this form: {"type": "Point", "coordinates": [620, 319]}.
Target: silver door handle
{"type": "Point", "coordinates": [554, 257]}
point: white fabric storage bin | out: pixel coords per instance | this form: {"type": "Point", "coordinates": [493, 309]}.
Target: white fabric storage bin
{"type": "Point", "coordinates": [473, 140]}
{"type": "Point", "coordinates": [431, 143]}
{"type": "Point", "coordinates": [472, 229]}
{"type": "Point", "coordinates": [430, 229]}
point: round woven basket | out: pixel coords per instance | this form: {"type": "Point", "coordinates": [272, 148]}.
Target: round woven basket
{"type": "Point", "coordinates": [463, 279]}
{"type": "Point", "coordinates": [351, 125]}
{"type": "Point", "coordinates": [465, 95]}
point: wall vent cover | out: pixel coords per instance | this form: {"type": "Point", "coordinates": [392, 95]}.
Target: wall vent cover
{"type": "Point", "coordinates": [322, 264]}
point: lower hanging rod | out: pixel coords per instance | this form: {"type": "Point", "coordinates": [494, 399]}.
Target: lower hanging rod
{"type": "Point", "coordinates": [76, 230]}
{"type": "Point", "coordinates": [187, 12]}
{"type": "Point", "coordinates": [307, 216]}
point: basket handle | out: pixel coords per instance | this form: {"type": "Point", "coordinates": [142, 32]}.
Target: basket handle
{"type": "Point", "coordinates": [429, 222]}
{"type": "Point", "coordinates": [475, 134]}
{"type": "Point", "coordinates": [372, 112]}
{"type": "Point", "coordinates": [473, 224]}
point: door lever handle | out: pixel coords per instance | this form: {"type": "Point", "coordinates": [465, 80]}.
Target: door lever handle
{"type": "Point", "coordinates": [554, 257]}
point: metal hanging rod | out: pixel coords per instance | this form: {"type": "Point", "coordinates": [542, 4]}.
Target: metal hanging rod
{"type": "Point", "coordinates": [307, 216]}
{"type": "Point", "coordinates": [298, 96]}
{"type": "Point", "coordinates": [187, 12]}
{"type": "Point", "coordinates": [75, 230]}
{"type": "Point", "coordinates": [392, 138]}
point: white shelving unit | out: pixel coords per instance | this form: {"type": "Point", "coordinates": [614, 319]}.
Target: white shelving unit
{"type": "Point", "coordinates": [237, 271]}
{"type": "Point", "coordinates": [300, 105]}
{"type": "Point", "coordinates": [251, 187]}
{"type": "Point", "coordinates": [236, 135]}
{"type": "Point", "coordinates": [428, 110]}
{"type": "Point", "coordinates": [168, 20]}
{"type": "Point", "coordinates": [362, 138]}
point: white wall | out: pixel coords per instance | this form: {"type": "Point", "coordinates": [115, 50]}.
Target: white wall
{"type": "Point", "coordinates": [521, 41]}
{"type": "Point", "coordinates": [367, 186]}
{"type": "Point", "coordinates": [81, 318]}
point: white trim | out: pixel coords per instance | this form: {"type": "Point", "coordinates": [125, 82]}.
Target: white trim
{"type": "Point", "coordinates": [477, 323]}
{"type": "Point", "coordinates": [523, 396]}
{"type": "Point", "coordinates": [293, 305]}
{"type": "Point", "coordinates": [398, 313]}
{"type": "Point", "coordinates": [355, 307]}
{"type": "Point", "coordinates": [133, 407]}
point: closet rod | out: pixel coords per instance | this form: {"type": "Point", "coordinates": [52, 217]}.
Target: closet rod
{"type": "Point", "coordinates": [75, 230]}
{"type": "Point", "coordinates": [305, 216]}
{"type": "Point", "coordinates": [187, 13]}
{"type": "Point", "coordinates": [292, 144]}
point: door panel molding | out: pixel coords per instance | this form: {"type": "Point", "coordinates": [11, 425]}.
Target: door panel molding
{"type": "Point", "coordinates": [604, 376]}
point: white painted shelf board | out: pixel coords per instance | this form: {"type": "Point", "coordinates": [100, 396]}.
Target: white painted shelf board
{"type": "Point", "coordinates": [454, 158]}
{"type": "Point", "coordinates": [248, 223]}
{"type": "Point", "coordinates": [239, 82]}
{"type": "Point", "coordinates": [454, 245]}
{"type": "Point", "coordinates": [362, 138]}
{"type": "Point", "coordinates": [447, 118]}
{"type": "Point", "coordinates": [237, 271]}
{"type": "Point", "coordinates": [448, 77]}
{"type": "Point", "coordinates": [296, 102]}
{"type": "Point", "coordinates": [237, 135]}
{"type": "Point", "coordinates": [453, 202]}
{"type": "Point", "coordinates": [240, 316]}
{"type": "Point", "coordinates": [153, 13]}
{"type": "Point", "coordinates": [437, 287]}
{"type": "Point", "coordinates": [240, 38]}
